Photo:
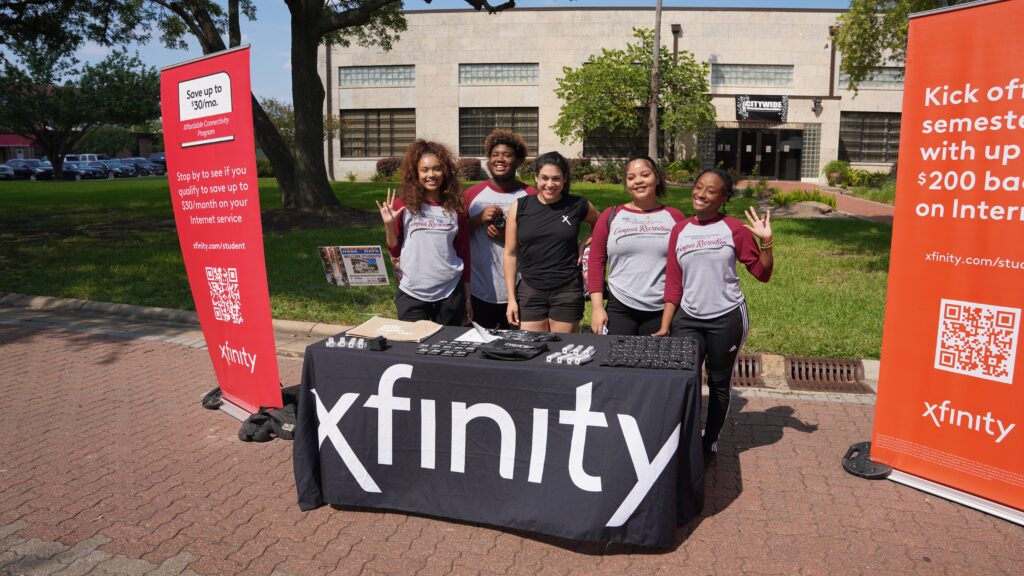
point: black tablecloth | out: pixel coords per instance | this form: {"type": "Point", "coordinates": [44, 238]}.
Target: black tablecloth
{"type": "Point", "coordinates": [581, 452]}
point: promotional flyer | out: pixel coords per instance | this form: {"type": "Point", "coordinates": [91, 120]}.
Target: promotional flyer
{"type": "Point", "coordinates": [211, 167]}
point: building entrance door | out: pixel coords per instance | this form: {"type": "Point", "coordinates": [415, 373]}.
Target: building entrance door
{"type": "Point", "coordinates": [767, 153]}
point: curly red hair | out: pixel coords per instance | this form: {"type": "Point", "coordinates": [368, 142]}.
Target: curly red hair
{"type": "Point", "coordinates": [413, 193]}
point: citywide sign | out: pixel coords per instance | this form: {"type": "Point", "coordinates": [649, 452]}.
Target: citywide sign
{"type": "Point", "coordinates": [761, 107]}
{"type": "Point", "coordinates": [211, 167]}
{"type": "Point", "coordinates": [950, 391]}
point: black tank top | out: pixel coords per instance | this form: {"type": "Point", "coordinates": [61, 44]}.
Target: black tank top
{"type": "Point", "coordinates": [547, 235]}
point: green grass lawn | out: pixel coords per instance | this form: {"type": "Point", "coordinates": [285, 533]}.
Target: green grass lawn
{"type": "Point", "coordinates": [114, 241]}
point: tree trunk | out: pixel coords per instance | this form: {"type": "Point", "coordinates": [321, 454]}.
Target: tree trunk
{"type": "Point", "coordinates": [277, 151]}
{"type": "Point", "coordinates": [652, 123]}
{"type": "Point", "coordinates": [312, 188]}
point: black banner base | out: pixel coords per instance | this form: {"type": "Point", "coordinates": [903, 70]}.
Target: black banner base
{"type": "Point", "coordinates": [857, 461]}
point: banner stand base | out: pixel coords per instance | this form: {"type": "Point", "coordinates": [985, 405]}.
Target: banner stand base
{"type": "Point", "coordinates": [954, 495]}
{"type": "Point", "coordinates": [234, 410]}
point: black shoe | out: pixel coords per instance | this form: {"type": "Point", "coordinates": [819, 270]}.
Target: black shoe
{"type": "Point", "coordinates": [710, 457]}
{"type": "Point", "coordinates": [213, 399]}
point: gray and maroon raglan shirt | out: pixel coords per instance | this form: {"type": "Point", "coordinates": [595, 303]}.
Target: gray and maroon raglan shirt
{"type": "Point", "coordinates": [489, 256]}
{"type": "Point", "coordinates": [700, 275]}
{"type": "Point", "coordinates": [435, 252]}
{"type": "Point", "coordinates": [634, 245]}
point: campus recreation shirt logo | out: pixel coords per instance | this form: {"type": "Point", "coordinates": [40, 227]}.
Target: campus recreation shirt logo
{"type": "Point", "coordinates": [703, 243]}
{"type": "Point", "coordinates": [426, 223]}
{"type": "Point", "coordinates": [639, 227]}
{"type": "Point", "coordinates": [579, 419]}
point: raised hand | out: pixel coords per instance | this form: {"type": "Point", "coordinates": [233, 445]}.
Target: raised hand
{"type": "Point", "coordinates": [761, 227]}
{"type": "Point", "coordinates": [387, 213]}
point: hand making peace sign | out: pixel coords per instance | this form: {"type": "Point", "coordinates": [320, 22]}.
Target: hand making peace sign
{"type": "Point", "coordinates": [387, 213]}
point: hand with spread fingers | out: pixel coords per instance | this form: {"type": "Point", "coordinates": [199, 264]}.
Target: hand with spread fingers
{"type": "Point", "coordinates": [761, 227]}
{"type": "Point", "coordinates": [387, 212]}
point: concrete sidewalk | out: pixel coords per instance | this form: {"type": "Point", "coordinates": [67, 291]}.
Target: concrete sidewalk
{"type": "Point", "coordinates": [109, 466]}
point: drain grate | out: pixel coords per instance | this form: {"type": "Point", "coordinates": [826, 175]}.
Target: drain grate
{"type": "Point", "coordinates": [826, 375]}
{"type": "Point", "coordinates": [748, 373]}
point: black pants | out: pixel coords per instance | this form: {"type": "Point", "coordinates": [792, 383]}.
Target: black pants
{"type": "Point", "coordinates": [489, 314]}
{"type": "Point", "coordinates": [448, 311]}
{"type": "Point", "coordinates": [626, 321]}
{"type": "Point", "coordinates": [721, 339]}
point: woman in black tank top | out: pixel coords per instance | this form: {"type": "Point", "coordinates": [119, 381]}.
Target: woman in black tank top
{"type": "Point", "coordinates": [541, 245]}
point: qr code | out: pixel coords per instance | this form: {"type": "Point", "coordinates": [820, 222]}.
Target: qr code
{"type": "Point", "coordinates": [227, 304]}
{"type": "Point", "coordinates": [978, 340]}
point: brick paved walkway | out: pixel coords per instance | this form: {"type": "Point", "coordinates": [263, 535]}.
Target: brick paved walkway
{"type": "Point", "coordinates": [109, 466]}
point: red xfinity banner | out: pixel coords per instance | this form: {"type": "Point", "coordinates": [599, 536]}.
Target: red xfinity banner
{"type": "Point", "coordinates": [950, 405]}
{"type": "Point", "coordinates": [211, 166]}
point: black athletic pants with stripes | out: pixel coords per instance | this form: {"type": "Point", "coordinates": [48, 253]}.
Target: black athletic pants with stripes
{"type": "Point", "coordinates": [721, 339]}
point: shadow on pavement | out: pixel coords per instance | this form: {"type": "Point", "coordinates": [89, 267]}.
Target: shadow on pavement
{"type": "Point", "coordinates": [723, 483]}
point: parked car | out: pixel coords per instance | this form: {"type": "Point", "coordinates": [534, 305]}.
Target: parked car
{"type": "Point", "coordinates": [85, 157]}
{"type": "Point", "coordinates": [145, 167]}
{"type": "Point", "coordinates": [158, 158]}
{"type": "Point", "coordinates": [30, 169]}
{"type": "Point", "coordinates": [114, 169]}
{"type": "Point", "coordinates": [6, 172]}
{"type": "Point", "coordinates": [81, 171]}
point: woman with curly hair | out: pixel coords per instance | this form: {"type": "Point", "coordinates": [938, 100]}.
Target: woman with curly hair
{"type": "Point", "coordinates": [426, 227]}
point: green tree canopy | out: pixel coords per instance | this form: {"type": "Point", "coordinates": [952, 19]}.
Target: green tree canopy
{"type": "Point", "coordinates": [874, 33]}
{"type": "Point", "coordinates": [607, 90]}
{"type": "Point", "coordinates": [56, 105]}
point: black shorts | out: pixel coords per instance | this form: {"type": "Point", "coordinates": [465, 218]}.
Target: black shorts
{"type": "Point", "coordinates": [562, 304]}
{"type": "Point", "coordinates": [489, 314]}
{"type": "Point", "coordinates": [448, 311]}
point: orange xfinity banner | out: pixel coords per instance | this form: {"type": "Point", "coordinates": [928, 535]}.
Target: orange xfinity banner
{"type": "Point", "coordinates": [950, 406]}
{"type": "Point", "coordinates": [211, 166]}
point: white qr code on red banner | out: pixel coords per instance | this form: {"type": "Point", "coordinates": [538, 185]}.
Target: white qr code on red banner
{"type": "Point", "coordinates": [978, 340]}
{"type": "Point", "coordinates": [227, 304]}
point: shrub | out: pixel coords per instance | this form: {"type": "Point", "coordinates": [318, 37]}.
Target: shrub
{"type": "Point", "coordinates": [610, 171]}
{"type": "Point", "coordinates": [580, 168]}
{"type": "Point", "coordinates": [470, 169]}
{"type": "Point", "coordinates": [379, 178]}
{"type": "Point", "coordinates": [350, 176]}
{"type": "Point", "coordinates": [780, 198]}
{"type": "Point", "coordinates": [389, 166]}
{"type": "Point", "coordinates": [867, 179]}
{"type": "Point", "coordinates": [837, 172]}
{"type": "Point", "coordinates": [264, 169]}
{"type": "Point", "coordinates": [680, 171]}
{"type": "Point", "coordinates": [525, 171]}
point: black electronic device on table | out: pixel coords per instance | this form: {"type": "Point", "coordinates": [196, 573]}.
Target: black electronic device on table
{"type": "Point", "coordinates": [652, 352]}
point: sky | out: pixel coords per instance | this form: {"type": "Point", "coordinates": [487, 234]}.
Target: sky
{"type": "Point", "coordinates": [269, 34]}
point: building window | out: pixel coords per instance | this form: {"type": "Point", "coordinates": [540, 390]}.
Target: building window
{"type": "Point", "coordinates": [353, 76]}
{"type": "Point", "coordinates": [498, 73]}
{"type": "Point", "coordinates": [886, 77]}
{"type": "Point", "coordinates": [751, 75]}
{"type": "Point", "coordinates": [622, 143]}
{"type": "Point", "coordinates": [869, 136]}
{"type": "Point", "coordinates": [377, 133]}
{"type": "Point", "coordinates": [476, 123]}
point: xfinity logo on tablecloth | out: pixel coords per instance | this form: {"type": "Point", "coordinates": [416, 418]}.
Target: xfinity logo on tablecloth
{"type": "Point", "coordinates": [580, 419]}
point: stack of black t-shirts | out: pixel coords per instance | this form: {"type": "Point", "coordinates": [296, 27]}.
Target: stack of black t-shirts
{"type": "Point", "coordinates": [503, 349]}
{"type": "Point", "coordinates": [652, 352]}
{"type": "Point", "coordinates": [525, 335]}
